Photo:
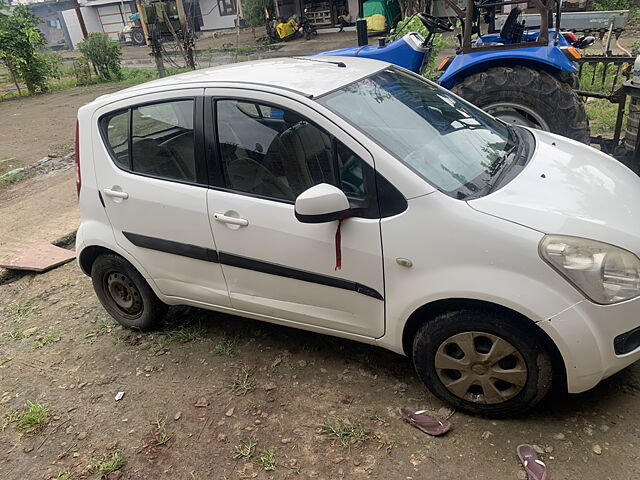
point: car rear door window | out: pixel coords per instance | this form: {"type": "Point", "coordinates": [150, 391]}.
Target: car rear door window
{"type": "Point", "coordinates": [162, 140]}
{"type": "Point", "coordinates": [116, 130]}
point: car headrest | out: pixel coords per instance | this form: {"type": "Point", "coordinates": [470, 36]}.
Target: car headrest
{"type": "Point", "coordinates": [291, 118]}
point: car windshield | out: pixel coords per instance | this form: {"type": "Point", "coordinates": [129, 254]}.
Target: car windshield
{"type": "Point", "coordinates": [453, 145]}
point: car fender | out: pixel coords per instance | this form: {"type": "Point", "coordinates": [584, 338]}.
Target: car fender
{"type": "Point", "coordinates": [550, 59]}
{"type": "Point", "coordinates": [501, 267]}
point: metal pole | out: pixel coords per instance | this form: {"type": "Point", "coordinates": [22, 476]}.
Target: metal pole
{"type": "Point", "coordinates": [83, 27]}
{"type": "Point", "coordinates": [361, 25]}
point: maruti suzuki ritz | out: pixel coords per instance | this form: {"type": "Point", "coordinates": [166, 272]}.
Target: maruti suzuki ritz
{"type": "Point", "coordinates": [350, 197]}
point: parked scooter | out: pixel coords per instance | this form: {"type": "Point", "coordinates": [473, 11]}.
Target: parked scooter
{"type": "Point", "coordinates": [308, 28]}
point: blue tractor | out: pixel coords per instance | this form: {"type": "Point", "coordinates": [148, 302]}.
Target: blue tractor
{"type": "Point", "coordinates": [522, 74]}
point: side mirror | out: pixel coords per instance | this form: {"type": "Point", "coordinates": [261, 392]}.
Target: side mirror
{"type": "Point", "coordinates": [584, 42]}
{"type": "Point", "coordinates": [321, 203]}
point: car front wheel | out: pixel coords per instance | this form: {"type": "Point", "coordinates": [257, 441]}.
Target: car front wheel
{"type": "Point", "coordinates": [125, 294]}
{"type": "Point", "coordinates": [483, 362]}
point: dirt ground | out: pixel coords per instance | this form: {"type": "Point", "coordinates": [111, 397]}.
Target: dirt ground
{"type": "Point", "coordinates": [254, 382]}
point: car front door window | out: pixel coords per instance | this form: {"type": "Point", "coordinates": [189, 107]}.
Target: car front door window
{"type": "Point", "coordinates": [275, 153]}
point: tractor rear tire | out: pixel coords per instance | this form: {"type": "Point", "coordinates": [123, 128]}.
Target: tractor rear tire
{"type": "Point", "coordinates": [528, 97]}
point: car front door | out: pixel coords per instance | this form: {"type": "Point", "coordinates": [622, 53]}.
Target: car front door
{"type": "Point", "coordinates": [265, 150]}
{"type": "Point", "coordinates": [152, 181]}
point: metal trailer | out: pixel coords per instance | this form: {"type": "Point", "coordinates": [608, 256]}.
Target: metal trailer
{"type": "Point", "coordinates": [587, 22]}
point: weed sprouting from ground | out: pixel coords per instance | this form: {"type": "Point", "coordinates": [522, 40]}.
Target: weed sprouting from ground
{"type": "Point", "coordinates": [110, 462]}
{"type": "Point", "coordinates": [185, 334]}
{"type": "Point", "coordinates": [62, 476]}
{"type": "Point", "coordinates": [33, 417]}
{"type": "Point", "coordinates": [344, 432]}
{"type": "Point", "coordinates": [245, 449]}
{"type": "Point", "coordinates": [20, 311]}
{"type": "Point", "coordinates": [45, 340]}
{"type": "Point", "coordinates": [267, 459]}
{"type": "Point", "coordinates": [242, 383]}
{"type": "Point", "coordinates": [227, 346]}
{"type": "Point", "coordinates": [161, 437]}
{"type": "Point", "coordinates": [375, 416]}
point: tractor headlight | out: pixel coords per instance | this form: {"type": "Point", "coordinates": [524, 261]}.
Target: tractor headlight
{"type": "Point", "coordinates": [604, 273]}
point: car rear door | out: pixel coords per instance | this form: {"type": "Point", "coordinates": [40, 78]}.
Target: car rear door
{"type": "Point", "coordinates": [152, 180]}
{"type": "Point", "coordinates": [267, 150]}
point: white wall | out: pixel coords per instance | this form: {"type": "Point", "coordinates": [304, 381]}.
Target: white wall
{"type": "Point", "coordinates": [211, 18]}
{"type": "Point", "coordinates": [91, 21]}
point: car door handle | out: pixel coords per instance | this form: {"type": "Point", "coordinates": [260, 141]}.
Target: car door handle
{"type": "Point", "coordinates": [221, 217]}
{"type": "Point", "coordinates": [115, 193]}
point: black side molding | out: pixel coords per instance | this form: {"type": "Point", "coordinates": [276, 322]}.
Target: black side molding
{"type": "Point", "coordinates": [176, 248]}
{"type": "Point", "coordinates": [288, 272]}
{"type": "Point", "coordinates": [208, 255]}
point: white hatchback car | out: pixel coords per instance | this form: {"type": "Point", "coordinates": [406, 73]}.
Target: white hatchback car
{"type": "Point", "coordinates": [350, 197]}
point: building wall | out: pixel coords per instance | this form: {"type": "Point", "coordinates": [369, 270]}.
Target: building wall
{"type": "Point", "coordinates": [50, 27]}
{"type": "Point", "coordinates": [211, 18]}
{"type": "Point", "coordinates": [91, 21]}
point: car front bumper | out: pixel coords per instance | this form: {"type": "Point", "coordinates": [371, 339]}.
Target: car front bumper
{"type": "Point", "coordinates": [585, 334]}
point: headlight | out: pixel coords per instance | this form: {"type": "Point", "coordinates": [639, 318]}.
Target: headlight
{"type": "Point", "coordinates": [604, 273]}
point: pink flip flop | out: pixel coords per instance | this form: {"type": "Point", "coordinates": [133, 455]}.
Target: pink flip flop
{"type": "Point", "coordinates": [535, 468]}
{"type": "Point", "coordinates": [425, 423]}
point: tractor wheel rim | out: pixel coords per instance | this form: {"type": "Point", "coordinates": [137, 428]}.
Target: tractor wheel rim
{"type": "Point", "coordinates": [124, 293]}
{"type": "Point", "coordinates": [516, 114]}
{"type": "Point", "coordinates": [480, 367]}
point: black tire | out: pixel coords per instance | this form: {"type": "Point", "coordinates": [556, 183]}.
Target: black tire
{"type": "Point", "coordinates": [554, 102]}
{"type": "Point", "coordinates": [137, 37]}
{"type": "Point", "coordinates": [434, 339]}
{"type": "Point", "coordinates": [137, 306]}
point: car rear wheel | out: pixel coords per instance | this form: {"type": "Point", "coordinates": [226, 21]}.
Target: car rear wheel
{"type": "Point", "coordinates": [523, 96]}
{"type": "Point", "coordinates": [483, 362]}
{"type": "Point", "coordinates": [125, 294]}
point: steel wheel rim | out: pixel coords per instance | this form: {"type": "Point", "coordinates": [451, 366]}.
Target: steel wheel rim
{"type": "Point", "coordinates": [515, 114]}
{"type": "Point", "coordinates": [124, 293]}
{"type": "Point", "coordinates": [480, 367]}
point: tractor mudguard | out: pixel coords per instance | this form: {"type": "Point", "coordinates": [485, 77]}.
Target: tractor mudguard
{"type": "Point", "coordinates": [406, 52]}
{"type": "Point", "coordinates": [550, 59]}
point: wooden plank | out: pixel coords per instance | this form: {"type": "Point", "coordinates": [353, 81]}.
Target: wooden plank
{"type": "Point", "coordinates": [38, 257]}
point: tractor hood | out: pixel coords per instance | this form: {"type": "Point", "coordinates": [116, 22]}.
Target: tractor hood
{"type": "Point", "coordinates": [568, 188]}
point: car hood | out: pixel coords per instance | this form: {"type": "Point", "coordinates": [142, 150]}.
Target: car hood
{"type": "Point", "coordinates": [568, 188]}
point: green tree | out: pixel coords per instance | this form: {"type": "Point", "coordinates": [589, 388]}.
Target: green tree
{"type": "Point", "coordinates": [21, 44]}
{"type": "Point", "coordinates": [253, 11]}
{"type": "Point", "coordinates": [105, 55]}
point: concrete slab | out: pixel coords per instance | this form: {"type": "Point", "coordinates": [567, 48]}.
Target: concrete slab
{"type": "Point", "coordinates": [39, 256]}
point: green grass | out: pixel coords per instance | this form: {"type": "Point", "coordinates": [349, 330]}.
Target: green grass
{"type": "Point", "coordinates": [267, 459]}
{"type": "Point", "coordinates": [20, 311]}
{"type": "Point", "coordinates": [45, 340]}
{"type": "Point", "coordinates": [344, 432]}
{"type": "Point", "coordinates": [227, 346]}
{"type": "Point", "coordinates": [602, 116]}
{"type": "Point", "coordinates": [130, 76]}
{"type": "Point", "coordinates": [161, 437]}
{"type": "Point", "coordinates": [245, 449]}
{"type": "Point", "coordinates": [62, 476]}
{"type": "Point", "coordinates": [592, 79]}
{"type": "Point", "coordinates": [242, 383]}
{"type": "Point", "coordinates": [33, 417]}
{"type": "Point", "coordinates": [185, 333]}
{"type": "Point", "coordinates": [16, 178]}
{"type": "Point", "coordinates": [110, 462]}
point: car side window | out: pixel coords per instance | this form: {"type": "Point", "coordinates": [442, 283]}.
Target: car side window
{"type": "Point", "coordinates": [278, 154]}
{"type": "Point", "coordinates": [162, 140]}
{"type": "Point", "coordinates": [116, 129]}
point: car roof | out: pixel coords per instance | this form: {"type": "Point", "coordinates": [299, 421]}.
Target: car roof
{"type": "Point", "coordinates": [308, 76]}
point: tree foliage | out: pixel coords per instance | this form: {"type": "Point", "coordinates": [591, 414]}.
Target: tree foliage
{"type": "Point", "coordinates": [105, 55]}
{"type": "Point", "coordinates": [21, 45]}
{"type": "Point", "coordinates": [253, 11]}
